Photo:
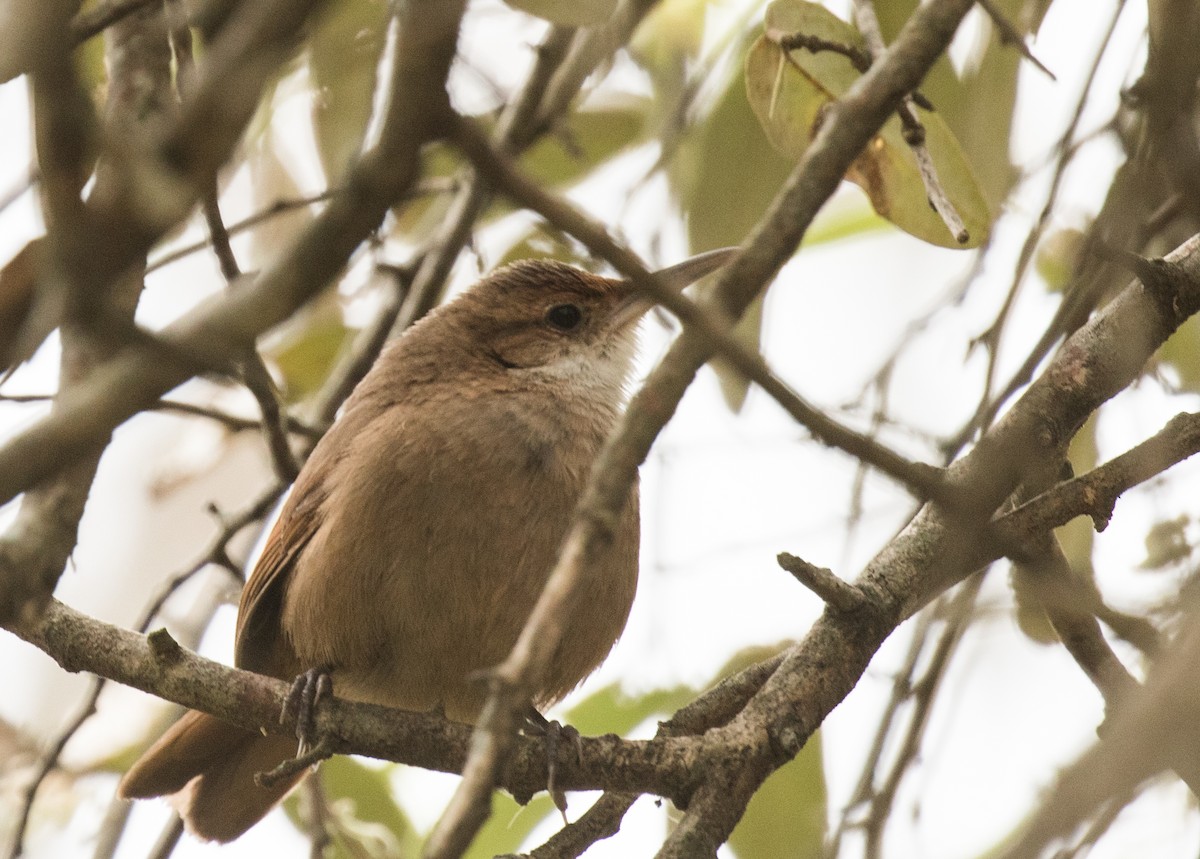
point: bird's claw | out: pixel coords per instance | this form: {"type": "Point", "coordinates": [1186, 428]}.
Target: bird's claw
{"type": "Point", "coordinates": [555, 733]}
{"type": "Point", "coordinates": [307, 692]}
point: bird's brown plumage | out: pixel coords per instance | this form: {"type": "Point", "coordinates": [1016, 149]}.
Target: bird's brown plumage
{"type": "Point", "coordinates": [422, 529]}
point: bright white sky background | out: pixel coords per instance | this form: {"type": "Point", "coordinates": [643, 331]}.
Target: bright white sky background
{"type": "Point", "coordinates": [722, 495]}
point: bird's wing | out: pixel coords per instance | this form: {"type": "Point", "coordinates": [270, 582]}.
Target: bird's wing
{"type": "Point", "coordinates": [260, 646]}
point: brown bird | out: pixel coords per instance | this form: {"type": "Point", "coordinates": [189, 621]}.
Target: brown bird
{"type": "Point", "coordinates": [422, 529]}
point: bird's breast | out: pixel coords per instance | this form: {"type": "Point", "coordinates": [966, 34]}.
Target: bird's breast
{"type": "Point", "coordinates": [437, 539]}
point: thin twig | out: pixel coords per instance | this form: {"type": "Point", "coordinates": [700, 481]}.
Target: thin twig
{"type": "Point", "coordinates": [841, 137]}
{"type": "Point", "coordinates": [602, 820]}
{"type": "Point", "coordinates": [111, 828]}
{"type": "Point", "coordinates": [922, 480]}
{"type": "Point", "coordinates": [216, 554]}
{"type": "Point", "coordinates": [279, 207]}
{"type": "Point", "coordinates": [989, 405]}
{"type": "Point", "coordinates": [1010, 35]}
{"type": "Point", "coordinates": [254, 373]}
{"type": "Point", "coordinates": [47, 762]}
{"type": "Point", "coordinates": [418, 284]}
{"type": "Point", "coordinates": [19, 187]}
{"type": "Point", "coordinates": [913, 131]}
{"type": "Point", "coordinates": [168, 839]}
{"type": "Point", "coordinates": [232, 422]}
{"type": "Point", "coordinates": [957, 612]}
{"type": "Point", "coordinates": [858, 58]}
{"type": "Point", "coordinates": [318, 818]}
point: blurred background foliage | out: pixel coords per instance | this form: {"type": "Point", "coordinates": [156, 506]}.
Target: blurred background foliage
{"type": "Point", "coordinates": [726, 111]}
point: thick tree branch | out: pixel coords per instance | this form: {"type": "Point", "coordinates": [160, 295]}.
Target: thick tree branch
{"type": "Point", "coordinates": [936, 549]}
{"type": "Point", "coordinates": [132, 381]}
{"type": "Point", "coordinates": [155, 663]}
{"type": "Point", "coordinates": [1154, 730]}
{"type": "Point", "coordinates": [848, 127]}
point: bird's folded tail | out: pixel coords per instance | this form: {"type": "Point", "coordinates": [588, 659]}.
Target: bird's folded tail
{"type": "Point", "coordinates": [208, 767]}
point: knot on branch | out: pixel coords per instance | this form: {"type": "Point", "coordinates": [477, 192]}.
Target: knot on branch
{"type": "Point", "coordinates": [840, 596]}
{"type": "Point", "coordinates": [1174, 291]}
{"type": "Point", "coordinates": [163, 647]}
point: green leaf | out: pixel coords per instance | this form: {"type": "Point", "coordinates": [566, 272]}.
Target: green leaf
{"type": "Point", "coordinates": [748, 331]}
{"type": "Point", "coordinates": [537, 243]}
{"type": "Point", "coordinates": [306, 350]}
{"type": "Point", "coordinates": [786, 817]}
{"type": "Point", "coordinates": [609, 710]}
{"type": "Point", "coordinates": [584, 141]}
{"type": "Point", "coordinates": [588, 138]}
{"type": "Point", "coordinates": [342, 60]}
{"type": "Point", "coordinates": [790, 92]}
{"type": "Point", "coordinates": [570, 13]}
{"type": "Point", "coordinates": [271, 180]}
{"type": "Point", "coordinates": [725, 173]}
{"type": "Point", "coordinates": [671, 34]}
{"type": "Point", "coordinates": [364, 819]}
{"type": "Point", "coordinates": [509, 825]}
{"type": "Point", "coordinates": [843, 218]}
{"type": "Point", "coordinates": [978, 107]}
{"type": "Point", "coordinates": [1182, 352]}
{"type": "Point", "coordinates": [1076, 539]}
{"type": "Point", "coordinates": [1058, 256]}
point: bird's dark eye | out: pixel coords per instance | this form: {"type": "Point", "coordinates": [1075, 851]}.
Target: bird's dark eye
{"type": "Point", "coordinates": [564, 317]}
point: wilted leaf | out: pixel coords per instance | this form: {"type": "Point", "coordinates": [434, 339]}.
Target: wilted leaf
{"type": "Point", "coordinates": [790, 91]}
{"type": "Point", "coordinates": [570, 13]}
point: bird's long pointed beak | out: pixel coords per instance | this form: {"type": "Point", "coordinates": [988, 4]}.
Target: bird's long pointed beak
{"type": "Point", "coordinates": [685, 273]}
{"type": "Point", "coordinates": [675, 277]}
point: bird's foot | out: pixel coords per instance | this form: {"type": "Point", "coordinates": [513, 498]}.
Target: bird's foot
{"type": "Point", "coordinates": [555, 733]}
{"type": "Point", "coordinates": [308, 690]}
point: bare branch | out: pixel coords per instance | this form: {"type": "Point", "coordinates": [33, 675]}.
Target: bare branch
{"type": "Point", "coordinates": [849, 125]}
{"type": "Point", "coordinates": [1010, 35]}
{"type": "Point", "coordinates": [840, 596]}
{"type": "Point", "coordinates": [1155, 729]}
{"type": "Point", "coordinates": [129, 382]}
{"type": "Point", "coordinates": [705, 322]}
